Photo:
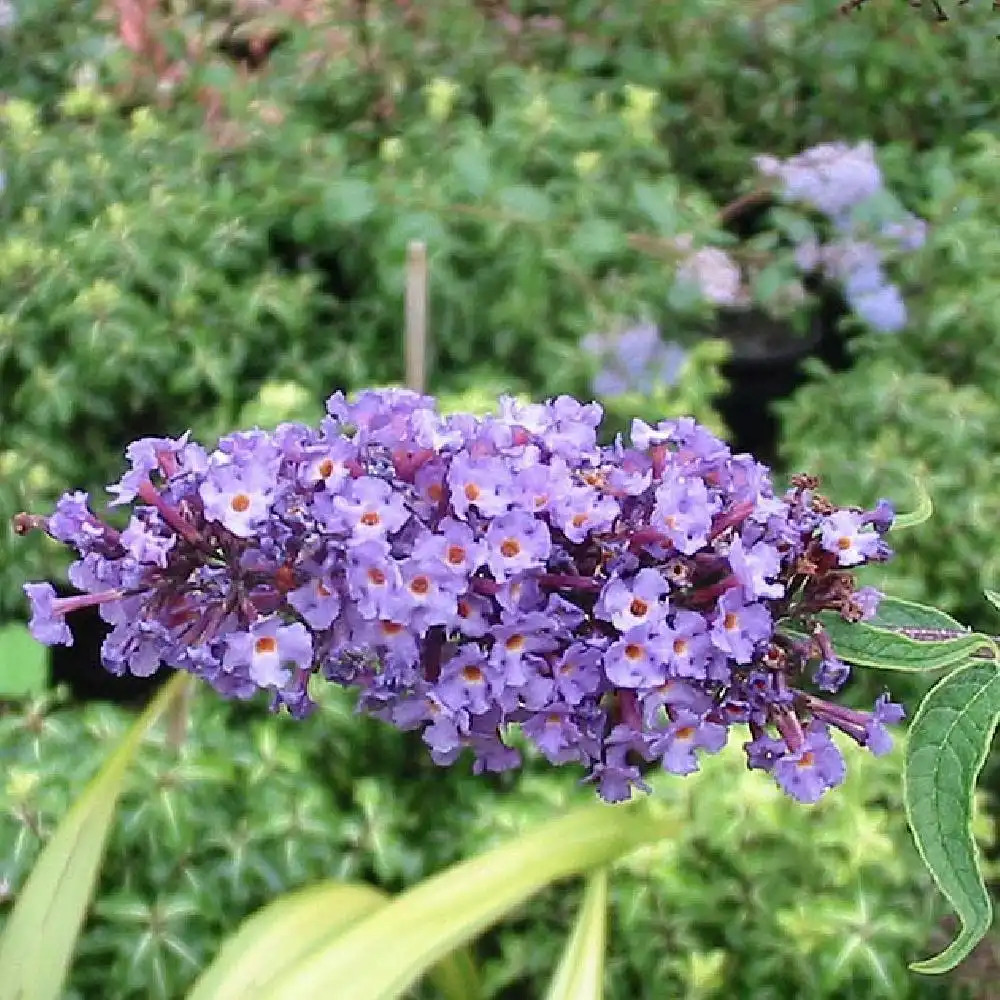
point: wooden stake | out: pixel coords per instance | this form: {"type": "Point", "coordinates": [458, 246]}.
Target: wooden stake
{"type": "Point", "coordinates": [416, 316]}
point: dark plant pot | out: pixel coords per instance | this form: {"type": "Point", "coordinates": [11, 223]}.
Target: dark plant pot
{"type": "Point", "coordinates": [765, 365]}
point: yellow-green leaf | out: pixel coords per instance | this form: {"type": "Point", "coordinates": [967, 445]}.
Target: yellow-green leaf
{"type": "Point", "coordinates": [281, 934]}
{"type": "Point", "coordinates": [40, 936]}
{"type": "Point", "coordinates": [580, 975]}
{"type": "Point", "coordinates": [389, 951]}
{"type": "Point", "coordinates": [284, 932]}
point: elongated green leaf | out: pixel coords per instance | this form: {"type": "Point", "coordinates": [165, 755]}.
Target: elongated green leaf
{"type": "Point", "coordinates": [869, 646]}
{"type": "Point", "coordinates": [283, 933]}
{"type": "Point", "coordinates": [389, 951]}
{"type": "Point", "coordinates": [279, 935]}
{"type": "Point", "coordinates": [40, 937]}
{"type": "Point", "coordinates": [895, 613]}
{"type": "Point", "coordinates": [946, 747]}
{"type": "Point", "coordinates": [925, 508]}
{"type": "Point", "coordinates": [580, 975]}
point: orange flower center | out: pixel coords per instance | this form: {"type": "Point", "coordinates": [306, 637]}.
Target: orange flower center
{"type": "Point", "coordinates": [579, 520]}
{"type": "Point", "coordinates": [685, 733]}
{"type": "Point", "coordinates": [633, 651]}
{"type": "Point", "coordinates": [326, 467]}
{"type": "Point", "coordinates": [391, 628]}
{"type": "Point", "coordinates": [731, 622]}
{"type": "Point", "coordinates": [843, 543]}
{"type": "Point", "coordinates": [515, 643]}
{"type": "Point", "coordinates": [472, 492]}
{"type": "Point", "coordinates": [420, 585]}
{"type": "Point", "coordinates": [807, 759]}
{"type": "Point", "coordinates": [240, 503]}
{"type": "Point", "coordinates": [455, 555]}
{"type": "Point", "coordinates": [510, 547]}
{"type": "Point", "coordinates": [472, 674]}
{"type": "Point", "coordinates": [680, 647]}
{"type": "Point", "coordinates": [265, 644]}
{"type": "Point", "coordinates": [370, 518]}
{"type": "Point", "coordinates": [376, 576]}
{"type": "Point", "coordinates": [434, 492]}
{"type": "Point", "coordinates": [638, 607]}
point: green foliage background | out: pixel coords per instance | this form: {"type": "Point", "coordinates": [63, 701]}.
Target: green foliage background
{"type": "Point", "coordinates": [217, 246]}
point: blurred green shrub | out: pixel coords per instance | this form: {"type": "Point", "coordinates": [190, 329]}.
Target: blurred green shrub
{"type": "Point", "coordinates": [928, 399]}
{"type": "Point", "coordinates": [748, 899]}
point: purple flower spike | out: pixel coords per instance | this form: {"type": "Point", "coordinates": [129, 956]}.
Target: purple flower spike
{"type": "Point", "coordinates": [623, 605]}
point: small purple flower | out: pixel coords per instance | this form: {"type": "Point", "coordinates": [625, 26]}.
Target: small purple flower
{"type": "Point", "coordinates": [555, 732]}
{"type": "Point", "coordinates": [882, 308]}
{"type": "Point", "coordinates": [683, 512]}
{"type": "Point", "coordinates": [638, 659]}
{"type": "Point", "coordinates": [269, 651]}
{"type": "Point", "coordinates": [463, 683]}
{"type": "Point", "coordinates": [690, 645]}
{"type": "Point", "coordinates": [373, 578]}
{"type": "Point", "coordinates": [685, 734]}
{"type": "Point", "coordinates": [328, 464]}
{"type": "Point", "coordinates": [842, 534]}
{"type": "Point", "coordinates": [453, 548]}
{"type": "Point", "coordinates": [317, 601]}
{"type": "Point", "coordinates": [739, 627]}
{"type": "Point", "coordinates": [814, 768]}
{"type": "Point", "coordinates": [48, 624]}
{"type": "Point", "coordinates": [639, 601]}
{"type": "Point", "coordinates": [886, 712]}
{"type": "Point", "coordinates": [754, 566]}
{"type": "Point", "coordinates": [238, 497]}
{"type": "Point", "coordinates": [831, 674]}
{"type": "Point", "coordinates": [145, 545]}
{"type": "Point", "coordinates": [867, 600]}
{"type": "Point", "coordinates": [73, 522]}
{"type": "Point", "coordinates": [516, 542]}
{"type": "Point", "coordinates": [483, 483]}
{"type": "Point", "coordinates": [372, 510]}
{"type": "Point", "coordinates": [146, 455]}
{"type": "Point", "coordinates": [577, 673]}
{"type": "Point", "coordinates": [582, 510]}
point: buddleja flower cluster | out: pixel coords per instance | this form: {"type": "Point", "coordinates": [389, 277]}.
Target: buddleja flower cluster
{"type": "Point", "coordinates": [623, 605]}
{"type": "Point", "coordinates": [844, 183]}
{"type": "Point", "coordinates": [635, 361]}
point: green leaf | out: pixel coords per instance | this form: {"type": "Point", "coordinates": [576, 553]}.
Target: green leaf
{"type": "Point", "coordinates": [658, 202]}
{"type": "Point", "coordinates": [947, 744]}
{"type": "Point", "coordinates": [472, 166]}
{"type": "Point", "coordinates": [597, 239]}
{"type": "Point", "coordinates": [277, 936]}
{"type": "Point", "coordinates": [283, 933]}
{"type": "Point", "coordinates": [24, 663]}
{"type": "Point", "coordinates": [993, 597]}
{"type": "Point", "coordinates": [869, 646]}
{"type": "Point", "coordinates": [925, 507]}
{"type": "Point", "coordinates": [896, 613]}
{"type": "Point", "coordinates": [529, 203]}
{"type": "Point", "coordinates": [580, 975]}
{"type": "Point", "coordinates": [348, 202]}
{"type": "Point", "coordinates": [40, 936]}
{"type": "Point", "coordinates": [427, 922]}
